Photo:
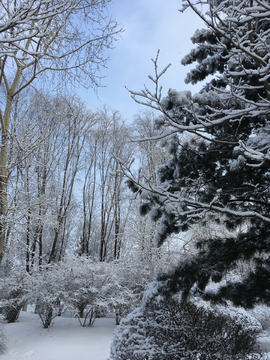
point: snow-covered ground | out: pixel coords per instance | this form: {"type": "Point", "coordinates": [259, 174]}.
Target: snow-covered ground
{"type": "Point", "coordinates": [65, 340]}
{"type": "Point", "coordinates": [264, 342]}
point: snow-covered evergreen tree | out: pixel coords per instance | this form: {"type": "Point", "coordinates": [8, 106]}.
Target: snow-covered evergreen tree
{"type": "Point", "coordinates": [224, 170]}
{"type": "Point", "coordinates": [179, 332]}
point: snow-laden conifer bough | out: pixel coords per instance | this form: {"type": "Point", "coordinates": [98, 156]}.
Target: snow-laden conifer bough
{"type": "Point", "coordinates": [220, 171]}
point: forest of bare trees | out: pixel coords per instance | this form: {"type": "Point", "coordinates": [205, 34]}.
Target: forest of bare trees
{"type": "Point", "coordinates": [66, 192]}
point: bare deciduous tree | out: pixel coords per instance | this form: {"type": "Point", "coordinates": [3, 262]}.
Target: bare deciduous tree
{"type": "Point", "coordinates": [103, 189]}
{"type": "Point", "coordinates": [38, 37]}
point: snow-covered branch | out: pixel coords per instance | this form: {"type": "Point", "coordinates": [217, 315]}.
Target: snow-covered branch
{"type": "Point", "coordinates": [193, 208]}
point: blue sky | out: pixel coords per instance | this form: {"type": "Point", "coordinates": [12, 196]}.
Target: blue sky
{"type": "Point", "coordinates": [149, 25]}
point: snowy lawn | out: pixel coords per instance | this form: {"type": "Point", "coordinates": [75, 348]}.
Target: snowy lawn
{"type": "Point", "coordinates": [65, 340]}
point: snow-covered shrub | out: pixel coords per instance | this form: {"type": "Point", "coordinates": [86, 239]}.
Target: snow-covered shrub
{"type": "Point", "coordinates": [48, 307]}
{"type": "Point", "coordinates": [93, 287]}
{"type": "Point", "coordinates": [131, 280]}
{"type": "Point", "coordinates": [86, 287]}
{"type": "Point", "coordinates": [247, 318]}
{"type": "Point", "coordinates": [13, 294]}
{"type": "Point", "coordinates": [48, 293]}
{"type": "Point", "coordinates": [124, 294]}
{"type": "Point", "coordinates": [257, 318]}
{"type": "Point", "coordinates": [174, 331]}
{"type": "Point", "coordinates": [262, 314]}
{"type": "Point", "coordinates": [101, 311]}
{"type": "Point", "coordinates": [121, 311]}
{"type": "Point", "coordinates": [84, 283]}
{"type": "Point", "coordinates": [83, 302]}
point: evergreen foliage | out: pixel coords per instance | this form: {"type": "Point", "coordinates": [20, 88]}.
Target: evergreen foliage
{"type": "Point", "coordinates": [223, 172]}
{"type": "Point", "coordinates": [181, 331]}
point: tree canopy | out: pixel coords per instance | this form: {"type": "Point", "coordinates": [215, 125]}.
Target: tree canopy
{"type": "Point", "coordinates": [220, 172]}
{"type": "Point", "coordinates": [60, 41]}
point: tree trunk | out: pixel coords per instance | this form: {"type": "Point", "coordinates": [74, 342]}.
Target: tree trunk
{"type": "Point", "coordinates": [3, 159]}
{"type": "Point", "coordinates": [3, 191]}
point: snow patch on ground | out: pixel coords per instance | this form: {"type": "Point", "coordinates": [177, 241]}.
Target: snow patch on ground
{"type": "Point", "coordinates": [65, 340]}
{"type": "Point", "coordinates": [264, 342]}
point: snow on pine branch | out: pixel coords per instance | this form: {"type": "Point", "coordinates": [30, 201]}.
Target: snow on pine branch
{"type": "Point", "coordinates": [218, 149]}
{"type": "Point", "coordinates": [199, 113]}
{"type": "Point", "coordinates": [193, 209]}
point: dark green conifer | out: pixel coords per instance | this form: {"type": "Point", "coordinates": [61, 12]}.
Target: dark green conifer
{"type": "Point", "coordinates": [224, 172]}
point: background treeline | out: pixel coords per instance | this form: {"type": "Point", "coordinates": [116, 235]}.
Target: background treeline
{"type": "Point", "coordinates": [66, 193]}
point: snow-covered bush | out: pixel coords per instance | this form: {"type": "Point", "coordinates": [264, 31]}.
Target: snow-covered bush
{"type": "Point", "coordinates": [84, 282]}
{"type": "Point", "coordinates": [45, 309]}
{"type": "Point", "coordinates": [257, 318]}
{"type": "Point", "coordinates": [86, 287]}
{"type": "Point", "coordinates": [248, 319]}
{"type": "Point", "coordinates": [262, 314]}
{"type": "Point", "coordinates": [13, 294]}
{"type": "Point", "coordinates": [121, 311]}
{"type": "Point", "coordinates": [94, 287]}
{"type": "Point", "coordinates": [174, 331]}
{"type": "Point", "coordinates": [48, 293]}
{"type": "Point", "coordinates": [132, 278]}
